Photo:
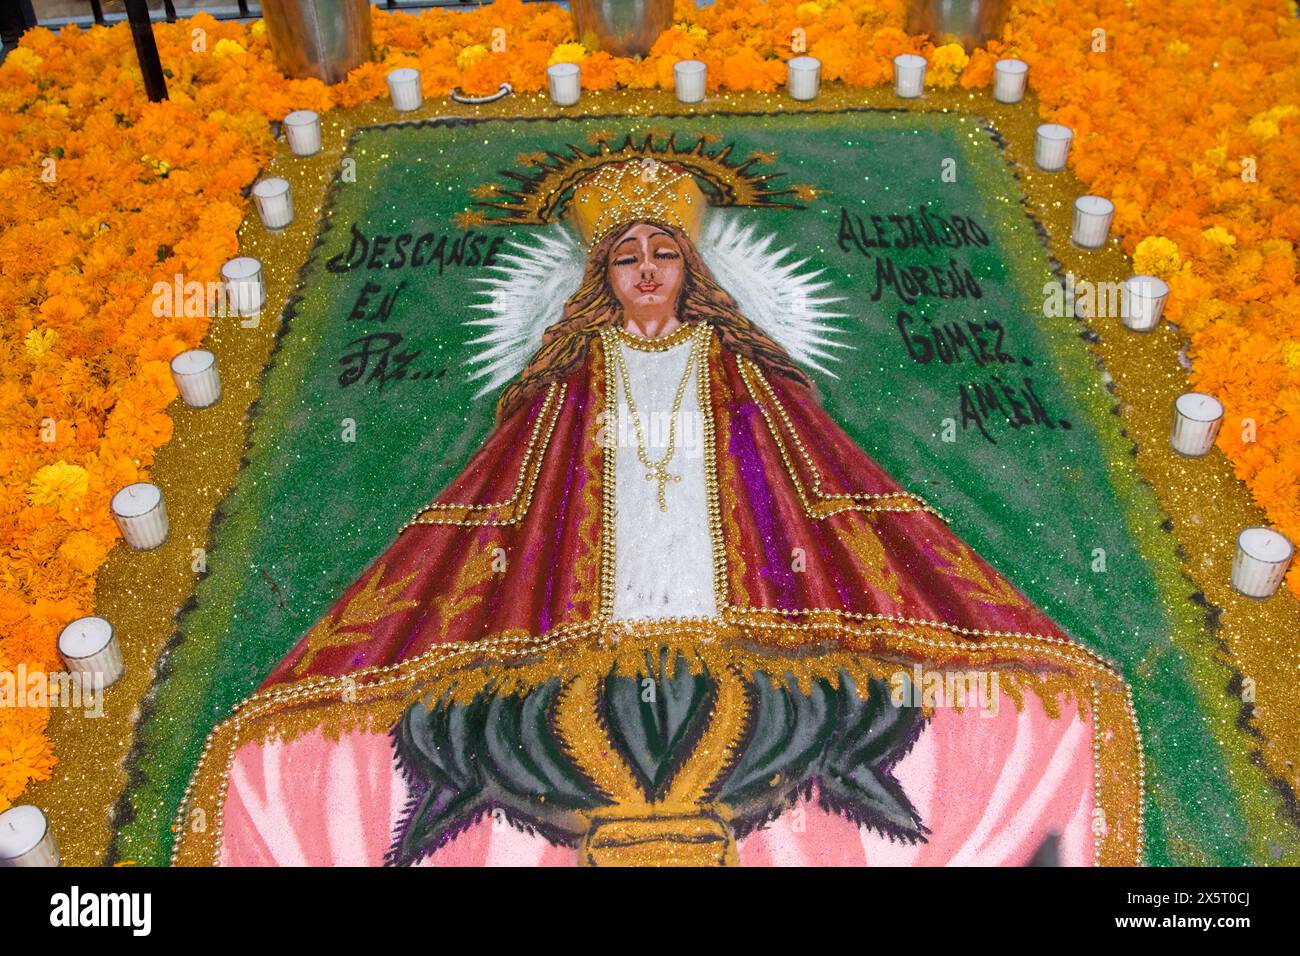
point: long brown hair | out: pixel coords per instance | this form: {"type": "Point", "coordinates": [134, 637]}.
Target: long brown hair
{"type": "Point", "coordinates": [594, 307]}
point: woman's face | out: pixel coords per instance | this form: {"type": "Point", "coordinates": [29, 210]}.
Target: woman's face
{"type": "Point", "coordinates": [646, 268]}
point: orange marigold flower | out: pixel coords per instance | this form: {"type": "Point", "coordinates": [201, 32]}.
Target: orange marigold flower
{"type": "Point", "coordinates": [23, 758]}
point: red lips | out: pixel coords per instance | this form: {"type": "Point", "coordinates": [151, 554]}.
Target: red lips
{"type": "Point", "coordinates": [647, 286]}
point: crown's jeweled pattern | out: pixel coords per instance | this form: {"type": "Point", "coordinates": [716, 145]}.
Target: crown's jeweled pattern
{"type": "Point", "coordinates": [633, 191]}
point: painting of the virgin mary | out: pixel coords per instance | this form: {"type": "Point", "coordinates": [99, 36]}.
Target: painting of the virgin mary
{"type": "Point", "coordinates": [671, 613]}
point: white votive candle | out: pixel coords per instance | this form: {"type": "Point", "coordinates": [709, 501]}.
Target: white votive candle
{"type": "Point", "coordinates": [1143, 302]}
{"type": "Point", "coordinates": [89, 648]}
{"type": "Point", "coordinates": [565, 83]}
{"type": "Point", "coordinates": [404, 88]}
{"type": "Point", "coordinates": [1052, 146]}
{"type": "Point", "coordinates": [274, 203]}
{"type": "Point", "coordinates": [1197, 419]}
{"type": "Point", "coordinates": [1092, 215]}
{"type": "Point", "coordinates": [26, 838]}
{"type": "Point", "coordinates": [1009, 77]}
{"type": "Point", "coordinates": [245, 290]}
{"type": "Point", "coordinates": [803, 77]}
{"type": "Point", "coordinates": [909, 75]}
{"type": "Point", "coordinates": [195, 372]}
{"type": "Point", "coordinates": [141, 515]}
{"type": "Point", "coordinates": [302, 129]}
{"type": "Point", "coordinates": [688, 80]}
{"type": "Point", "coordinates": [1261, 562]}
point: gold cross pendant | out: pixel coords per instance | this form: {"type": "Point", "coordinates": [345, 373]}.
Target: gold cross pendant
{"type": "Point", "coordinates": [659, 472]}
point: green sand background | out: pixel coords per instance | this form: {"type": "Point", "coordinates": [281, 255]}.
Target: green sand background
{"type": "Point", "coordinates": [311, 511]}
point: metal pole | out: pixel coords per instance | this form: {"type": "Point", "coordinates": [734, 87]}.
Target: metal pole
{"type": "Point", "coordinates": [155, 85]}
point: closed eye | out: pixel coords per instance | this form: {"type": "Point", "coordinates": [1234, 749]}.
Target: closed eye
{"type": "Point", "coordinates": [632, 260]}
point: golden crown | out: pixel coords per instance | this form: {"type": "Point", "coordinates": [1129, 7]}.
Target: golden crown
{"type": "Point", "coordinates": [635, 190]}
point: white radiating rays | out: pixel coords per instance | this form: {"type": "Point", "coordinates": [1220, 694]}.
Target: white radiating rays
{"type": "Point", "coordinates": [525, 294]}
{"type": "Point", "coordinates": [531, 281]}
{"type": "Point", "coordinates": [773, 290]}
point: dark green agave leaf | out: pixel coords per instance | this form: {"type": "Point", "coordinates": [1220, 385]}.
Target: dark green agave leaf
{"type": "Point", "coordinates": [523, 755]}
{"type": "Point", "coordinates": [656, 736]}
{"type": "Point", "coordinates": [830, 739]}
{"type": "Point", "coordinates": [788, 731]}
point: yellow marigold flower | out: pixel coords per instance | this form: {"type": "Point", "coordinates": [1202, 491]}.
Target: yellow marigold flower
{"type": "Point", "coordinates": [57, 484]}
{"type": "Point", "coordinates": [1218, 155]}
{"type": "Point", "coordinates": [810, 9]}
{"type": "Point", "coordinates": [226, 46]}
{"type": "Point", "coordinates": [24, 59]}
{"type": "Point", "coordinates": [1263, 127]}
{"type": "Point", "coordinates": [471, 55]}
{"type": "Point", "coordinates": [39, 341]}
{"type": "Point", "coordinates": [1177, 48]}
{"type": "Point", "coordinates": [1291, 353]}
{"type": "Point", "coordinates": [1220, 235]}
{"type": "Point", "coordinates": [563, 53]}
{"type": "Point", "coordinates": [1157, 256]}
{"type": "Point", "coordinates": [258, 28]}
{"type": "Point", "coordinates": [697, 33]}
{"type": "Point", "coordinates": [946, 64]}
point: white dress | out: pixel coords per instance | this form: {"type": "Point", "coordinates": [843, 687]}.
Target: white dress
{"type": "Point", "coordinates": [663, 559]}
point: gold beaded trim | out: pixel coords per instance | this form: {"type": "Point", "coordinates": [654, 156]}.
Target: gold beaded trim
{"type": "Point", "coordinates": [1119, 837]}
{"type": "Point", "coordinates": [704, 384]}
{"type": "Point", "coordinates": [776, 618]}
{"type": "Point", "coordinates": [446, 513]}
{"type": "Point", "coordinates": [608, 528]}
{"type": "Point", "coordinates": [1097, 788]}
{"type": "Point", "coordinates": [661, 344]}
{"type": "Point", "coordinates": [820, 504]}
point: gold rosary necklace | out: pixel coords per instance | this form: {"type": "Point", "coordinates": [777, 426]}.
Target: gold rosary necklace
{"type": "Point", "coordinates": [657, 470]}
